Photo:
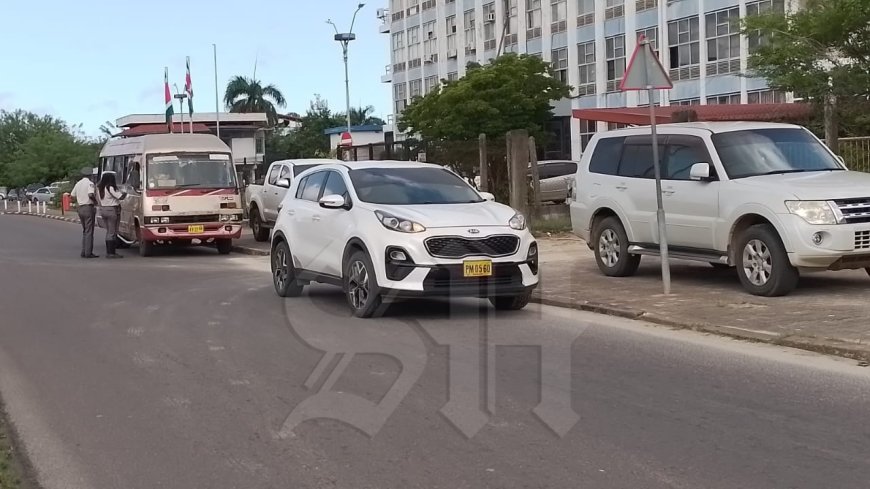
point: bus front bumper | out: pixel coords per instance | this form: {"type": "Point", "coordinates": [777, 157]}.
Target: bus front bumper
{"type": "Point", "coordinates": [202, 232]}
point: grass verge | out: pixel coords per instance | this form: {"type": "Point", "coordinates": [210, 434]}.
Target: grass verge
{"type": "Point", "coordinates": [551, 227]}
{"type": "Point", "coordinates": [11, 462]}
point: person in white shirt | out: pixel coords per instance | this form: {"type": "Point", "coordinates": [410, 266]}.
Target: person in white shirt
{"type": "Point", "coordinates": [84, 193]}
{"type": "Point", "coordinates": [109, 199]}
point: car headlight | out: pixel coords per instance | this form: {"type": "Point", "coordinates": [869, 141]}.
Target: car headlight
{"type": "Point", "coordinates": [399, 224]}
{"type": "Point", "coordinates": [813, 211]}
{"type": "Point", "coordinates": [236, 217]}
{"type": "Point", "coordinates": [164, 220]}
{"type": "Point", "coordinates": [518, 222]}
{"type": "Point", "coordinates": [225, 217]}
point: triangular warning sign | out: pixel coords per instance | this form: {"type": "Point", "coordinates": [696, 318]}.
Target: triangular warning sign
{"type": "Point", "coordinates": [644, 70]}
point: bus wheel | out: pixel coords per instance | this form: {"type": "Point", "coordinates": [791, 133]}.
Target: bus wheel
{"type": "Point", "coordinates": [146, 248]}
{"type": "Point", "coordinates": [224, 246]}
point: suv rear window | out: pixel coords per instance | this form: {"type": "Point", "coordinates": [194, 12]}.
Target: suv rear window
{"type": "Point", "coordinates": [297, 169]}
{"type": "Point", "coordinates": [605, 156]}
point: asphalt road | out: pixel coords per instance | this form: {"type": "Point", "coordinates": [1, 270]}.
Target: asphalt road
{"type": "Point", "coordinates": [186, 371]}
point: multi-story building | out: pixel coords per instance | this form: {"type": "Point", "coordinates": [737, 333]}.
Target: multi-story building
{"type": "Point", "coordinates": [588, 43]}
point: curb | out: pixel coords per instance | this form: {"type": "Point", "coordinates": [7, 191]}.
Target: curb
{"type": "Point", "coordinates": [43, 216]}
{"type": "Point", "coordinates": [244, 250]}
{"type": "Point", "coordinates": [828, 346]}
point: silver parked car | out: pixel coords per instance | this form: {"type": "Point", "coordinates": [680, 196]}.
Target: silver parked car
{"type": "Point", "coordinates": [44, 194]}
{"type": "Point", "coordinates": [556, 176]}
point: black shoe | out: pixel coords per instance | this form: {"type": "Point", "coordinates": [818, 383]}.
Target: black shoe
{"type": "Point", "coordinates": [91, 256]}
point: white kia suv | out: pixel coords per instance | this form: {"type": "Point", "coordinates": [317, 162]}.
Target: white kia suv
{"type": "Point", "coordinates": [393, 229]}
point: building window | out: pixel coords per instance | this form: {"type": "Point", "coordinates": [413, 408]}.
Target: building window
{"type": "Point", "coordinates": [585, 12]}
{"type": "Point", "coordinates": [533, 19]}
{"type": "Point", "coordinates": [489, 27]}
{"type": "Point", "coordinates": [728, 98]}
{"type": "Point", "coordinates": [451, 36]}
{"type": "Point", "coordinates": [398, 51]}
{"type": "Point", "coordinates": [413, 47]}
{"type": "Point", "coordinates": [587, 130]}
{"type": "Point", "coordinates": [428, 4]}
{"type": "Point", "coordinates": [413, 7]}
{"type": "Point", "coordinates": [452, 76]}
{"type": "Point", "coordinates": [586, 57]}
{"type": "Point", "coordinates": [652, 35]}
{"type": "Point", "coordinates": [470, 32]}
{"type": "Point", "coordinates": [755, 39]}
{"type": "Point", "coordinates": [398, 9]}
{"type": "Point", "coordinates": [642, 5]}
{"type": "Point", "coordinates": [430, 42]}
{"type": "Point", "coordinates": [615, 56]}
{"type": "Point", "coordinates": [685, 50]}
{"type": "Point", "coordinates": [614, 9]}
{"type": "Point", "coordinates": [611, 126]}
{"type": "Point", "coordinates": [766, 97]}
{"type": "Point", "coordinates": [430, 84]}
{"type": "Point", "coordinates": [400, 97]}
{"type": "Point", "coordinates": [560, 64]}
{"type": "Point", "coordinates": [723, 42]}
{"type": "Point", "coordinates": [687, 101]}
{"type": "Point", "coordinates": [558, 16]}
{"type": "Point", "coordinates": [415, 89]}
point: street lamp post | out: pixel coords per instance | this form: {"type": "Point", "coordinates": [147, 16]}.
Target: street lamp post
{"type": "Point", "coordinates": [181, 97]}
{"type": "Point", "coordinates": [344, 39]}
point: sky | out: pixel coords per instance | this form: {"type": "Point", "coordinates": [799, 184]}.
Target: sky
{"type": "Point", "coordinates": [91, 61]}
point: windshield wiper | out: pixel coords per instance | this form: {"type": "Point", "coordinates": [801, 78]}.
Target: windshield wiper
{"type": "Point", "coordinates": [782, 172]}
{"type": "Point", "coordinates": [188, 185]}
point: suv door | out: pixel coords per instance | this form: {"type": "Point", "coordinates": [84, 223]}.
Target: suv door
{"type": "Point", "coordinates": [272, 193]}
{"type": "Point", "coordinates": [638, 185]}
{"type": "Point", "coordinates": [332, 227]}
{"type": "Point", "coordinates": [306, 243]}
{"type": "Point", "coordinates": [692, 207]}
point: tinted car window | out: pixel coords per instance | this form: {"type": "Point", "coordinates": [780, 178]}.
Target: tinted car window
{"type": "Point", "coordinates": [335, 185]}
{"type": "Point", "coordinates": [285, 173]}
{"type": "Point", "coordinates": [297, 169]}
{"type": "Point", "coordinates": [313, 185]}
{"type": "Point", "coordinates": [680, 154]}
{"type": "Point", "coordinates": [301, 187]}
{"type": "Point", "coordinates": [637, 157]}
{"type": "Point", "coordinates": [772, 151]}
{"type": "Point", "coordinates": [605, 156]}
{"type": "Point", "coordinates": [273, 175]}
{"type": "Point", "coordinates": [411, 186]}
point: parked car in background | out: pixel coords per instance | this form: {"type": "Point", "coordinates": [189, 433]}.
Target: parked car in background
{"type": "Point", "coordinates": [384, 230]}
{"type": "Point", "coordinates": [555, 177]}
{"type": "Point", "coordinates": [3, 193]}
{"type": "Point", "coordinates": [769, 199]}
{"type": "Point", "coordinates": [44, 194]}
{"type": "Point", "coordinates": [15, 195]}
{"type": "Point", "coordinates": [263, 200]}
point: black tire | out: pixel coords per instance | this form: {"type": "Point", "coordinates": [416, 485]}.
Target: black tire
{"type": "Point", "coordinates": [224, 246]}
{"type": "Point", "coordinates": [261, 233]}
{"type": "Point", "coordinates": [283, 272]}
{"type": "Point", "coordinates": [610, 239]}
{"type": "Point", "coordinates": [120, 244]}
{"type": "Point", "coordinates": [361, 286]}
{"type": "Point", "coordinates": [511, 302]}
{"type": "Point", "coordinates": [867, 270]}
{"type": "Point", "coordinates": [720, 266]}
{"type": "Point", "coordinates": [146, 248]}
{"type": "Point", "coordinates": [762, 262]}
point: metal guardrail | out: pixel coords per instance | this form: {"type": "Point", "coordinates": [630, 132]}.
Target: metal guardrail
{"type": "Point", "coordinates": [856, 153]}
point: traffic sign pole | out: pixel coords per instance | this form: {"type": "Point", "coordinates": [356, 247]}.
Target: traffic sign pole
{"type": "Point", "coordinates": [660, 212]}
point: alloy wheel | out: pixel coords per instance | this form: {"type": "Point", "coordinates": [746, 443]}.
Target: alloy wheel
{"type": "Point", "coordinates": [608, 248]}
{"type": "Point", "coordinates": [358, 285]}
{"type": "Point", "coordinates": [280, 269]}
{"type": "Point", "coordinates": [757, 262]}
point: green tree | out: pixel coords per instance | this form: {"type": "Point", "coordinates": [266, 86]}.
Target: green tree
{"type": "Point", "coordinates": [307, 141]}
{"type": "Point", "coordinates": [821, 53]}
{"type": "Point", "coordinates": [249, 95]}
{"type": "Point", "coordinates": [512, 92]}
{"type": "Point", "coordinates": [362, 116]}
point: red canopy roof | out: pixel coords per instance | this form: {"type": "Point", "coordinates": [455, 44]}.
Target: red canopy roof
{"type": "Point", "coordinates": [708, 113]}
{"type": "Point", "coordinates": [143, 129]}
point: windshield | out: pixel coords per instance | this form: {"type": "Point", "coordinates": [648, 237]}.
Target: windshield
{"type": "Point", "coordinates": [772, 151]}
{"type": "Point", "coordinates": [191, 171]}
{"type": "Point", "coordinates": [411, 186]}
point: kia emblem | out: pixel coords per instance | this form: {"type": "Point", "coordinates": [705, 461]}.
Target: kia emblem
{"type": "Point", "coordinates": [473, 231]}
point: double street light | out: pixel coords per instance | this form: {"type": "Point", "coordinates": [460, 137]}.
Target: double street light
{"type": "Point", "coordinates": [345, 38]}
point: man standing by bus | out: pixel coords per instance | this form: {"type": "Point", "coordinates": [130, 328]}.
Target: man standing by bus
{"type": "Point", "coordinates": [84, 194]}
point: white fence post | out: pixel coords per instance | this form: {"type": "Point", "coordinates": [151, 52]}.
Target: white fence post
{"type": "Point", "coordinates": [19, 206]}
{"type": "Point", "coordinates": [29, 206]}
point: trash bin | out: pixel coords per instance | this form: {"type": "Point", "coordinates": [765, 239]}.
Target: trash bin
{"type": "Point", "coordinates": [66, 202]}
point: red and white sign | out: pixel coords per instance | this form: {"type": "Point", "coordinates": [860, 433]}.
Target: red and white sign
{"type": "Point", "coordinates": [645, 71]}
{"type": "Point", "coordinates": [346, 139]}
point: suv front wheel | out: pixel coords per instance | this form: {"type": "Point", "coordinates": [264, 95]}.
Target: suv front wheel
{"type": "Point", "coordinates": [763, 264]}
{"type": "Point", "coordinates": [611, 249]}
{"type": "Point", "coordinates": [361, 286]}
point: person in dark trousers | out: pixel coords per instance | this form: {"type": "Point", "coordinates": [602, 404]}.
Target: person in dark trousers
{"type": "Point", "coordinates": [109, 198]}
{"type": "Point", "coordinates": [85, 196]}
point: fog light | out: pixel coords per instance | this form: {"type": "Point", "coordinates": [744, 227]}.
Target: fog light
{"type": "Point", "coordinates": [533, 250]}
{"type": "Point", "coordinates": [397, 255]}
{"type": "Point", "coordinates": [818, 238]}
{"type": "Point", "coordinates": [228, 228]}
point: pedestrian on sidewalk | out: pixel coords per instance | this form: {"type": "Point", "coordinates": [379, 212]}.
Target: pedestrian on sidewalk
{"type": "Point", "coordinates": [110, 198]}
{"type": "Point", "coordinates": [85, 196]}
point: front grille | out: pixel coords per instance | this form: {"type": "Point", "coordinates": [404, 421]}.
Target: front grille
{"type": "Point", "coordinates": [458, 247]}
{"type": "Point", "coordinates": [446, 277]}
{"type": "Point", "coordinates": [194, 219]}
{"type": "Point", "coordinates": [855, 210]}
{"type": "Point", "coordinates": [862, 240]}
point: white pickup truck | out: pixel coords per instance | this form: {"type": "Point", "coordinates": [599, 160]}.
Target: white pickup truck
{"type": "Point", "coordinates": [768, 199]}
{"type": "Point", "coordinates": [262, 200]}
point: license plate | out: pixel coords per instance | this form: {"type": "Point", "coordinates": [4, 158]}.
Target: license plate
{"type": "Point", "coordinates": [195, 229]}
{"type": "Point", "coordinates": [478, 268]}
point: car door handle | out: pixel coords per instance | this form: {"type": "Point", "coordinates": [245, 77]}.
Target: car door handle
{"type": "Point", "coordinates": [668, 191]}
{"type": "Point", "coordinates": [621, 187]}
{"type": "Point", "coordinates": [315, 217]}
{"type": "Point", "coordinates": [291, 212]}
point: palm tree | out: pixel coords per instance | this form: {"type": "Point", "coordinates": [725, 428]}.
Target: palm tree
{"type": "Point", "coordinates": [249, 95]}
{"type": "Point", "coordinates": [362, 116]}
{"type": "Point", "coordinates": [108, 130]}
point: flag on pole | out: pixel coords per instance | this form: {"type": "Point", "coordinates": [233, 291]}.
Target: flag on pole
{"type": "Point", "coordinates": [167, 95]}
{"type": "Point", "coordinates": [188, 87]}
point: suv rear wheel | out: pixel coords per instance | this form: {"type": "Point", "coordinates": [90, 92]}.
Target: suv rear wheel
{"type": "Point", "coordinates": [763, 264]}
{"type": "Point", "coordinates": [610, 243]}
{"type": "Point", "coordinates": [283, 272]}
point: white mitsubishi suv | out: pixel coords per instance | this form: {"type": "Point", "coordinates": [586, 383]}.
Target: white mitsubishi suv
{"type": "Point", "coordinates": [392, 229]}
{"type": "Point", "coordinates": [768, 199]}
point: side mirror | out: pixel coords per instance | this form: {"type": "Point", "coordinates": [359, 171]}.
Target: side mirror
{"type": "Point", "coordinates": [333, 202]}
{"type": "Point", "coordinates": [487, 196]}
{"type": "Point", "coordinates": [700, 172]}
{"type": "Point", "coordinates": [283, 183]}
